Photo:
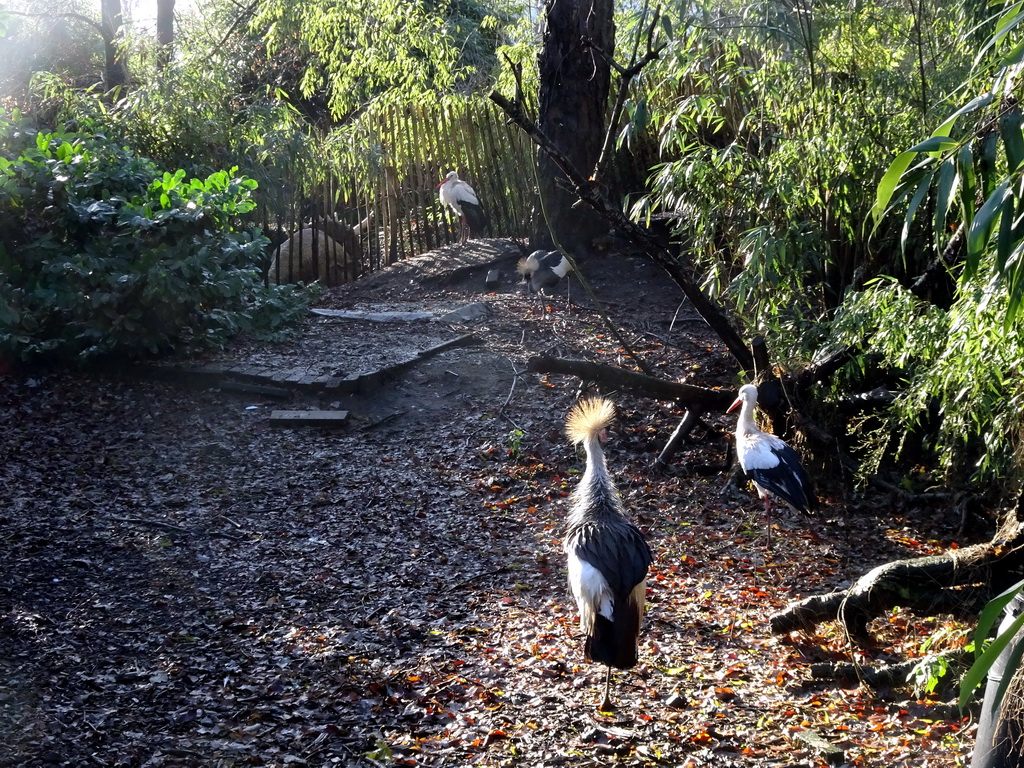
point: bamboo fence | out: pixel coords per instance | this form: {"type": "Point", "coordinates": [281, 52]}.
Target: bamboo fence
{"type": "Point", "coordinates": [378, 191]}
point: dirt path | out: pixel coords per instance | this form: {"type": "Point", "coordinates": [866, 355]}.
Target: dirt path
{"type": "Point", "coordinates": [185, 585]}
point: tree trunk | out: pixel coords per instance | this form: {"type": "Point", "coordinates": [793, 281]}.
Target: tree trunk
{"type": "Point", "coordinates": [574, 85]}
{"type": "Point", "coordinates": [164, 31]}
{"type": "Point", "coordinates": [1000, 739]}
{"type": "Point", "coordinates": [115, 71]}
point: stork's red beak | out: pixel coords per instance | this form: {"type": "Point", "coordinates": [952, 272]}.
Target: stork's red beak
{"type": "Point", "coordinates": [441, 183]}
{"type": "Point", "coordinates": [737, 401]}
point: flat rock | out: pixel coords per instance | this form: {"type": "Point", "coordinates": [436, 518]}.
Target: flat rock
{"type": "Point", "coordinates": [470, 313]}
{"type": "Point", "coordinates": [308, 418]}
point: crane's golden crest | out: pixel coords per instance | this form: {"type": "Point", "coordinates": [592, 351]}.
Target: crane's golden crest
{"type": "Point", "coordinates": [588, 418]}
{"type": "Point", "coordinates": [527, 265]}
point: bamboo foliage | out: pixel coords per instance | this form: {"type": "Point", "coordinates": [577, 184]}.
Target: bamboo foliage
{"type": "Point", "coordinates": [380, 176]}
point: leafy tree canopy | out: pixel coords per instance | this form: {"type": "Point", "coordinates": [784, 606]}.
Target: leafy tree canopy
{"type": "Point", "coordinates": [35, 36]}
{"type": "Point", "coordinates": [356, 49]}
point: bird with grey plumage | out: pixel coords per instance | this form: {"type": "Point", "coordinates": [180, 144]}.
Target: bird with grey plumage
{"type": "Point", "coordinates": [542, 271]}
{"type": "Point", "coordinates": [607, 554]}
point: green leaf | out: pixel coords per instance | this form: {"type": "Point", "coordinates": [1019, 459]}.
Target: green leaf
{"type": "Point", "coordinates": [944, 190]}
{"type": "Point", "coordinates": [1013, 138]}
{"type": "Point", "coordinates": [987, 164]}
{"type": "Point", "coordinates": [980, 668]}
{"type": "Point", "coordinates": [1005, 237]}
{"type": "Point", "coordinates": [915, 203]}
{"type": "Point", "coordinates": [1014, 299]}
{"type": "Point", "coordinates": [981, 228]}
{"type": "Point", "coordinates": [1014, 55]}
{"type": "Point", "coordinates": [640, 116]}
{"type": "Point", "coordinates": [1010, 19]}
{"type": "Point", "coordinates": [934, 144]}
{"type": "Point", "coordinates": [888, 184]}
{"type": "Point", "coordinates": [976, 103]}
{"type": "Point", "coordinates": [990, 614]}
{"type": "Point", "coordinates": [666, 24]}
{"type": "Point", "coordinates": [965, 166]}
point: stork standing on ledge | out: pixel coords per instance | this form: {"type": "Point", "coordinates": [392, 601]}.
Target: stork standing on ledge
{"type": "Point", "coordinates": [542, 270]}
{"type": "Point", "coordinates": [770, 463]}
{"type": "Point", "coordinates": [608, 556]}
{"type": "Point", "coordinates": [461, 198]}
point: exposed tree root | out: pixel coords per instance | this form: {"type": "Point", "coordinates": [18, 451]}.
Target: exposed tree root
{"type": "Point", "coordinates": [959, 581]}
{"type": "Point", "coordinates": [884, 675]}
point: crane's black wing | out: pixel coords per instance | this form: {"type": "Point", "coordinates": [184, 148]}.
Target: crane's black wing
{"type": "Point", "coordinates": [618, 550]}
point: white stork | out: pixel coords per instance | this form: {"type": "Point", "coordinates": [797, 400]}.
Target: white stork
{"type": "Point", "coordinates": [772, 465]}
{"type": "Point", "coordinates": [461, 198]}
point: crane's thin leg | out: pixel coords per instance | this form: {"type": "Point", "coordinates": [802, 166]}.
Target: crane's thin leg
{"type": "Point", "coordinates": [768, 513]}
{"type": "Point", "coordinates": [606, 705]}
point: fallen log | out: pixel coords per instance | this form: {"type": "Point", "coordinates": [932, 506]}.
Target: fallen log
{"type": "Point", "coordinates": [374, 317]}
{"type": "Point", "coordinates": [694, 398]}
{"type": "Point", "coordinates": [922, 584]}
{"type": "Point", "coordinates": [317, 418]}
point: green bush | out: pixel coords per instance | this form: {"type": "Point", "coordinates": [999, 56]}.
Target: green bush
{"type": "Point", "coordinates": [102, 253]}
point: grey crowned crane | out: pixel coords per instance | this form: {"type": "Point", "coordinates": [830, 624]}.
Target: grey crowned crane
{"type": "Point", "coordinates": [769, 462]}
{"type": "Point", "coordinates": [461, 198]}
{"type": "Point", "coordinates": [542, 270]}
{"type": "Point", "coordinates": [608, 556]}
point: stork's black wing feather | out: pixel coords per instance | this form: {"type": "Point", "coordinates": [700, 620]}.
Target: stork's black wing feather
{"type": "Point", "coordinates": [476, 217]}
{"type": "Point", "coordinates": [787, 480]}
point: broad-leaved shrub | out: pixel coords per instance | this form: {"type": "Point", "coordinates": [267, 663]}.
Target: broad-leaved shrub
{"type": "Point", "coordinates": [102, 253]}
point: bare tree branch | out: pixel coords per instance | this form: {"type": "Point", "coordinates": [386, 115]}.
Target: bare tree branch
{"type": "Point", "coordinates": [244, 12]}
{"type": "Point", "coordinates": [75, 16]}
{"type": "Point", "coordinates": [698, 398]}
{"type": "Point", "coordinates": [626, 75]}
{"type": "Point", "coordinates": [590, 193]}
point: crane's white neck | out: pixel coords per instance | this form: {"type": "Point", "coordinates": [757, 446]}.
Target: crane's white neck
{"type": "Point", "coordinates": [597, 467]}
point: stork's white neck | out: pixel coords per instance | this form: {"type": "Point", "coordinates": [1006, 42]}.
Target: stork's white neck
{"type": "Point", "coordinates": [745, 424]}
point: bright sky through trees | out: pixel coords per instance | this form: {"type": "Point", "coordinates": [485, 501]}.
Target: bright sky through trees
{"type": "Point", "coordinates": [143, 12]}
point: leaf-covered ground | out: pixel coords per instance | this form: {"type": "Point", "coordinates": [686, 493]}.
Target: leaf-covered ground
{"type": "Point", "coordinates": [184, 585]}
